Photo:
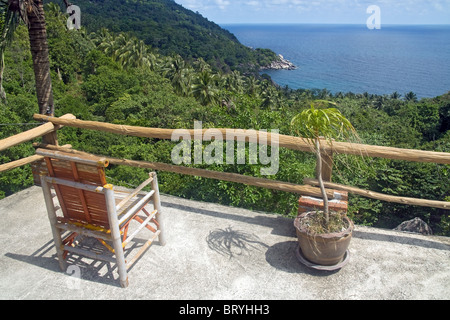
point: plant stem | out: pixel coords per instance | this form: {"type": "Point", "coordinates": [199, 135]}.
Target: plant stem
{"type": "Point", "coordinates": [321, 185]}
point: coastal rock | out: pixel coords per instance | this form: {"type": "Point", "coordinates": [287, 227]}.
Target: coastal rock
{"type": "Point", "coordinates": [415, 225]}
{"type": "Point", "coordinates": [280, 64]}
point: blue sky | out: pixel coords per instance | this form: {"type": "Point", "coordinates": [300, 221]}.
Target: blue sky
{"type": "Point", "coordinates": [320, 11]}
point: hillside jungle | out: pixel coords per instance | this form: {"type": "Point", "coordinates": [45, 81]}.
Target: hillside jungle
{"type": "Point", "coordinates": [114, 77]}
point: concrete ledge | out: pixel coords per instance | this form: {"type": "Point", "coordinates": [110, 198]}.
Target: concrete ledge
{"type": "Point", "coordinates": [218, 252]}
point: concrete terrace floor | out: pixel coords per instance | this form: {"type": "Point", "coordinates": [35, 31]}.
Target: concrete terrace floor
{"type": "Point", "coordinates": [215, 252]}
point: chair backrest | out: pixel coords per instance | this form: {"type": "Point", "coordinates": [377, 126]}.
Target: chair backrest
{"type": "Point", "coordinates": [77, 205]}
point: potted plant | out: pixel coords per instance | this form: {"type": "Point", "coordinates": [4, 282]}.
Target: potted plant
{"type": "Point", "coordinates": [323, 236]}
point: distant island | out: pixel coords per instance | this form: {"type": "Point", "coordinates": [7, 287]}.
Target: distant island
{"type": "Point", "coordinates": [280, 64]}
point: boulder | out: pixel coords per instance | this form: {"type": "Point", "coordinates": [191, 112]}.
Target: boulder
{"type": "Point", "coordinates": [415, 225]}
{"type": "Point", "coordinates": [279, 64]}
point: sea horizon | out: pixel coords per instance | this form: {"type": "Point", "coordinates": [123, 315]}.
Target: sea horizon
{"type": "Point", "coordinates": [327, 23]}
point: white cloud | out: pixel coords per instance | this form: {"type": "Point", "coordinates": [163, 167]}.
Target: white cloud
{"type": "Point", "coordinates": [204, 4]}
{"type": "Point", "coordinates": [222, 4]}
{"type": "Point", "coordinates": [191, 4]}
{"type": "Point", "coordinates": [253, 3]}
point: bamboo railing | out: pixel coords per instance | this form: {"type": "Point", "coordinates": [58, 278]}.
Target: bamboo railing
{"type": "Point", "coordinates": [52, 124]}
{"type": "Point", "coordinates": [289, 142]}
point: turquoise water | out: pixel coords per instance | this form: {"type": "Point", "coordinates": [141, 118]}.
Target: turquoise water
{"type": "Point", "coordinates": [352, 58]}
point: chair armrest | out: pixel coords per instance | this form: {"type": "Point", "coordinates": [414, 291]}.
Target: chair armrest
{"type": "Point", "coordinates": [136, 208]}
{"type": "Point", "coordinates": [134, 192]}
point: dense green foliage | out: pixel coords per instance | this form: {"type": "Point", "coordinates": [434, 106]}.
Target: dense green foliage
{"type": "Point", "coordinates": [172, 29]}
{"type": "Point", "coordinates": [95, 80]}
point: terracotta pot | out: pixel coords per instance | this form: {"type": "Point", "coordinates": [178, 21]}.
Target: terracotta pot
{"type": "Point", "coordinates": [323, 249]}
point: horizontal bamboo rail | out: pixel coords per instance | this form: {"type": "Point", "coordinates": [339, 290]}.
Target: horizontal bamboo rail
{"type": "Point", "coordinates": [381, 196]}
{"type": "Point", "coordinates": [26, 136]}
{"type": "Point", "coordinates": [217, 175]}
{"type": "Point", "coordinates": [24, 161]}
{"type": "Point", "coordinates": [289, 142]}
{"type": "Point", "coordinates": [19, 163]}
{"type": "Point", "coordinates": [31, 134]}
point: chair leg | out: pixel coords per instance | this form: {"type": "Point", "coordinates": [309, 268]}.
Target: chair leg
{"type": "Point", "coordinates": [116, 237]}
{"type": "Point", "coordinates": [157, 203]}
{"type": "Point", "coordinates": [121, 266]}
{"type": "Point", "coordinates": [59, 248]}
{"type": "Point", "coordinates": [52, 218]}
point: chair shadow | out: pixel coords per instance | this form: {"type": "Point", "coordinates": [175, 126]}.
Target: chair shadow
{"type": "Point", "coordinates": [90, 269]}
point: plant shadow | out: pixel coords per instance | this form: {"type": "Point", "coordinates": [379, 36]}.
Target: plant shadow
{"type": "Point", "coordinates": [233, 243]}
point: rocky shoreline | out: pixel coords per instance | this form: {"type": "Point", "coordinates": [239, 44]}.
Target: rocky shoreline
{"type": "Point", "coordinates": [280, 64]}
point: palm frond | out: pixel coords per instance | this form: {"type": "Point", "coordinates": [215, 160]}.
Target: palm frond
{"type": "Point", "coordinates": [328, 124]}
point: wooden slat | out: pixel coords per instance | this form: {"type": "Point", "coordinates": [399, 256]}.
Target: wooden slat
{"type": "Point", "coordinates": [81, 193]}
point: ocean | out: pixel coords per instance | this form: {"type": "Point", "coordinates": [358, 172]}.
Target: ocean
{"type": "Point", "coordinates": [352, 58]}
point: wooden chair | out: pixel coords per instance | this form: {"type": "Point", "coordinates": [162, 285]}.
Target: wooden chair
{"type": "Point", "coordinates": [90, 207]}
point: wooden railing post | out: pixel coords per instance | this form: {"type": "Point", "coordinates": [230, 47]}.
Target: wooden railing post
{"type": "Point", "coordinates": [52, 137]}
{"type": "Point", "coordinates": [327, 165]}
{"type": "Point", "coordinates": [326, 155]}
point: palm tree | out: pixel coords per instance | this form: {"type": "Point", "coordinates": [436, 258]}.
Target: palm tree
{"type": "Point", "coordinates": [128, 51]}
{"type": "Point", "coordinates": [234, 82]}
{"type": "Point", "coordinates": [252, 86]}
{"type": "Point", "coordinates": [201, 65]}
{"type": "Point", "coordinates": [137, 54]}
{"type": "Point", "coordinates": [179, 73]}
{"type": "Point", "coordinates": [411, 96]}
{"type": "Point", "coordinates": [204, 88]}
{"type": "Point", "coordinates": [339, 95]}
{"type": "Point", "coordinates": [325, 94]}
{"type": "Point", "coordinates": [315, 124]}
{"type": "Point", "coordinates": [395, 95]}
{"type": "Point", "coordinates": [172, 66]}
{"type": "Point", "coordinates": [182, 81]}
{"type": "Point", "coordinates": [271, 98]}
{"type": "Point", "coordinates": [31, 12]}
